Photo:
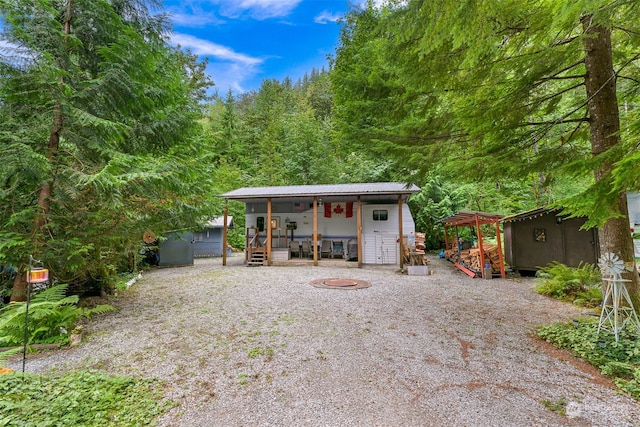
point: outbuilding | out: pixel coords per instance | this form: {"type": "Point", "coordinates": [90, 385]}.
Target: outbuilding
{"type": "Point", "coordinates": [208, 242]}
{"type": "Point", "coordinates": [366, 223]}
{"type": "Point", "coordinates": [540, 236]}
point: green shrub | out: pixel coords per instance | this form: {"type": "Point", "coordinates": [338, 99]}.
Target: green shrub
{"type": "Point", "coordinates": [579, 285]}
{"type": "Point", "coordinates": [619, 360]}
{"type": "Point", "coordinates": [79, 399]}
{"type": "Point", "coordinates": [52, 315]}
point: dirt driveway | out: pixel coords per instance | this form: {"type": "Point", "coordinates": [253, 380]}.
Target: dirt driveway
{"type": "Point", "coordinates": [260, 346]}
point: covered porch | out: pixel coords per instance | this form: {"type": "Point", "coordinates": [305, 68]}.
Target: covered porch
{"type": "Point", "coordinates": [313, 224]}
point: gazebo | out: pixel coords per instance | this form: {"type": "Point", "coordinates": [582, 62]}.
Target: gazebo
{"type": "Point", "coordinates": [455, 248]}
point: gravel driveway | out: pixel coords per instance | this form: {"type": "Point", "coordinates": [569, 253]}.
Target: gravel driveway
{"type": "Point", "coordinates": [241, 346]}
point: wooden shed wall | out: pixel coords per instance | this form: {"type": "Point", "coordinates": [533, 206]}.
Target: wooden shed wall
{"type": "Point", "coordinates": [563, 241]}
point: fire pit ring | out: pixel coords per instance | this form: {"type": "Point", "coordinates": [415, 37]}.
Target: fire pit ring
{"type": "Point", "coordinates": [340, 283]}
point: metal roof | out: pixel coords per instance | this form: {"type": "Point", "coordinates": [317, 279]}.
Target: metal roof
{"type": "Point", "coordinates": [218, 222]}
{"type": "Point", "coordinates": [469, 218]}
{"type": "Point", "coordinates": [331, 190]}
{"type": "Point", "coordinates": [533, 213]}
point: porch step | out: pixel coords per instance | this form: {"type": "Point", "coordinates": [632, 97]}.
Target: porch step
{"type": "Point", "coordinates": [257, 259]}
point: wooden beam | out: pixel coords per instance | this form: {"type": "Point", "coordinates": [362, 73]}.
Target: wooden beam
{"type": "Point", "coordinates": [465, 269]}
{"type": "Point", "coordinates": [224, 234]}
{"type": "Point", "coordinates": [315, 230]}
{"type": "Point", "coordinates": [400, 232]}
{"type": "Point", "coordinates": [500, 256]}
{"type": "Point", "coordinates": [359, 231]}
{"type": "Point", "coordinates": [269, 231]}
{"type": "Point", "coordinates": [446, 238]}
{"type": "Point", "coordinates": [479, 234]}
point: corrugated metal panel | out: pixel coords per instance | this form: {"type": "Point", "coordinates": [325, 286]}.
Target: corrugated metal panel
{"type": "Point", "coordinates": [218, 222]}
{"type": "Point", "coordinates": [361, 189]}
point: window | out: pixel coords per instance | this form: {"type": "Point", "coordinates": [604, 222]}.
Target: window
{"type": "Point", "coordinates": [380, 215]}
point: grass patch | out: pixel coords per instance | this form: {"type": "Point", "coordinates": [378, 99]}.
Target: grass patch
{"type": "Point", "coordinates": [80, 398]}
{"type": "Point", "coordinates": [618, 360]}
{"type": "Point", "coordinates": [558, 406]}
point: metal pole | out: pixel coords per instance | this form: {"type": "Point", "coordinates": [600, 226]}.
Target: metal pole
{"type": "Point", "coordinates": [26, 316]}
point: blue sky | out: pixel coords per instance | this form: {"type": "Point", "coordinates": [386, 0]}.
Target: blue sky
{"type": "Point", "coordinates": [248, 41]}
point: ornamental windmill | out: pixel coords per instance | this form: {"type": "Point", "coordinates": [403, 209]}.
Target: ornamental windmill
{"type": "Point", "coordinates": [617, 308]}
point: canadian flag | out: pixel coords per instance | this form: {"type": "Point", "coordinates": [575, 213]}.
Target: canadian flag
{"type": "Point", "coordinates": [338, 210]}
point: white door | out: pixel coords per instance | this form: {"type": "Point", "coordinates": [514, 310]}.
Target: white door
{"type": "Point", "coordinates": [380, 234]}
{"type": "Point", "coordinates": [380, 248]}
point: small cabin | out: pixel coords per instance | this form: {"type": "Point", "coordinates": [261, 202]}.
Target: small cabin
{"type": "Point", "coordinates": [365, 223]}
{"type": "Point", "coordinates": [540, 236]}
{"type": "Point", "coordinates": [208, 242]}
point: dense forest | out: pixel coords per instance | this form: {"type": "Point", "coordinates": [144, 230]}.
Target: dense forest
{"type": "Point", "coordinates": [107, 131]}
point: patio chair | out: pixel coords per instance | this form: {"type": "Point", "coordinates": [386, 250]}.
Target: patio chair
{"type": "Point", "coordinates": [306, 249]}
{"type": "Point", "coordinates": [325, 249]}
{"type": "Point", "coordinates": [294, 249]}
{"type": "Point", "coordinates": [337, 249]}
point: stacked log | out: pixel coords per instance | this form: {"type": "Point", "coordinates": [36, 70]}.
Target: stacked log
{"type": "Point", "coordinates": [471, 257]}
{"type": "Point", "coordinates": [416, 255]}
{"type": "Point", "coordinates": [490, 255]}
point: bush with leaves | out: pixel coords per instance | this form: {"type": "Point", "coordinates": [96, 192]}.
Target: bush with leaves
{"type": "Point", "coordinates": [580, 285]}
{"type": "Point", "coordinates": [619, 360]}
{"type": "Point", "coordinates": [79, 399]}
{"type": "Point", "coordinates": [51, 315]}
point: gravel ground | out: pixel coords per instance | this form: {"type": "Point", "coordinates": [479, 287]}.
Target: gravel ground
{"type": "Point", "coordinates": [260, 346]}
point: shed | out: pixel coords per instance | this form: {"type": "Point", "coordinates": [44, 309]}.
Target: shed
{"type": "Point", "coordinates": [176, 250]}
{"type": "Point", "coordinates": [633, 205]}
{"type": "Point", "coordinates": [477, 259]}
{"type": "Point", "coordinates": [208, 242]}
{"type": "Point", "coordinates": [366, 222]}
{"type": "Point", "coordinates": [540, 236]}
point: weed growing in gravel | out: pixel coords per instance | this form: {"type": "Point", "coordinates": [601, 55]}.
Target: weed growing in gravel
{"type": "Point", "coordinates": [80, 398]}
{"type": "Point", "coordinates": [618, 360]}
{"type": "Point", "coordinates": [559, 406]}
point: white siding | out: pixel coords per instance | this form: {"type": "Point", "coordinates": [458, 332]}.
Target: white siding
{"type": "Point", "coordinates": [380, 238]}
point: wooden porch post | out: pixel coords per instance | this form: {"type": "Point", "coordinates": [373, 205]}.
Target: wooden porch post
{"type": "Point", "coordinates": [498, 238]}
{"type": "Point", "coordinates": [224, 234]}
{"type": "Point", "coordinates": [269, 231]}
{"type": "Point", "coordinates": [400, 232]}
{"type": "Point", "coordinates": [359, 232]}
{"type": "Point", "coordinates": [446, 237]}
{"type": "Point", "coordinates": [315, 230]}
{"type": "Point", "coordinates": [479, 233]}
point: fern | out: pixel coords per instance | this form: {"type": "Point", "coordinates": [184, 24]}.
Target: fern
{"type": "Point", "coordinates": [579, 285]}
{"type": "Point", "coordinates": [51, 315]}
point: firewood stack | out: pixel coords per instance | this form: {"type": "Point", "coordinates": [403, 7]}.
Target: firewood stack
{"type": "Point", "coordinates": [415, 255]}
{"type": "Point", "coordinates": [490, 255]}
{"type": "Point", "coordinates": [471, 257]}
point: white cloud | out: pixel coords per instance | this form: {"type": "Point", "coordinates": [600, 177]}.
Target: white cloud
{"type": "Point", "coordinates": [230, 76]}
{"type": "Point", "coordinates": [206, 48]}
{"type": "Point", "coordinates": [326, 16]}
{"type": "Point", "coordinates": [228, 69]}
{"type": "Point", "coordinates": [195, 19]}
{"type": "Point", "coordinates": [257, 9]}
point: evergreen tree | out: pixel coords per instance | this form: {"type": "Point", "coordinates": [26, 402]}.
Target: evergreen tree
{"type": "Point", "coordinates": [494, 89]}
{"type": "Point", "coordinates": [98, 135]}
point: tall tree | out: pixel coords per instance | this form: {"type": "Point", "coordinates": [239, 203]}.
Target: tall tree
{"type": "Point", "coordinates": [501, 89]}
{"type": "Point", "coordinates": [98, 128]}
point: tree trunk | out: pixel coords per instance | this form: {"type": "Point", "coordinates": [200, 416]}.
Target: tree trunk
{"type": "Point", "coordinates": [18, 292]}
{"type": "Point", "coordinates": [604, 119]}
